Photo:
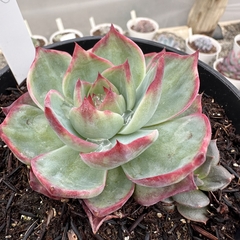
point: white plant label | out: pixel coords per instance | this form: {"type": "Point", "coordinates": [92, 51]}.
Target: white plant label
{"type": "Point", "coordinates": [15, 41]}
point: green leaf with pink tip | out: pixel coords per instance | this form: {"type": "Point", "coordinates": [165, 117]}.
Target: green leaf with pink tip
{"type": "Point", "coordinates": [27, 133]}
{"type": "Point", "coordinates": [148, 100]}
{"type": "Point", "coordinates": [147, 196]}
{"type": "Point", "coordinates": [96, 222]}
{"type": "Point", "coordinates": [85, 66]}
{"type": "Point", "coordinates": [193, 199]}
{"type": "Point", "coordinates": [41, 77]}
{"type": "Point", "coordinates": [121, 77]}
{"type": "Point", "coordinates": [57, 113]}
{"type": "Point", "coordinates": [196, 107]}
{"type": "Point", "coordinates": [23, 99]}
{"type": "Point", "coordinates": [100, 84]}
{"type": "Point", "coordinates": [117, 48]}
{"type": "Point", "coordinates": [218, 178]}
{"type": "Point", "coordinates": [112, 197]}
{"type": "Point", "coordinates": [80, 92]}
{"type": "Point", "coordinates": [180, 148]}
{"type": "Point", "coordinates": [193, 214]}
{"type": "Point", "coordinates": [90, 122]}
{"type": "Point", "coordinates": [64, 174]}
{"type": "Point", "coordinates": [180, 85]}
{"type": "Point", "coordinates": [38, 187]}
{"type": "Point", "coordinates": [125, 148]}
{"type": "Point", "coordinates": [113, 102]}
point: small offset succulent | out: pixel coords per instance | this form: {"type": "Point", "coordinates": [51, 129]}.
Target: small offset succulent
{"type": "Point", "coordinates": [203, 44]}
{"type": "Point", "coordinates": [230, 66]}
{"type": "Point", "coordinates": [109, 123]}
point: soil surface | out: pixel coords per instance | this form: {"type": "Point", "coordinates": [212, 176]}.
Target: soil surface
{"type": "Point", "coordinates": [26, 214]}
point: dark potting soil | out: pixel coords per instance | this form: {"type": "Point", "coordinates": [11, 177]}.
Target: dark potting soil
{"type": "Point", "coordinates": [25, 214]}
{"type": "Point", "coordinates": [193, 46]}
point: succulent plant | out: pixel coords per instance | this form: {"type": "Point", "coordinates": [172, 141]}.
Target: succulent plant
{"type": "Point", "coordinates": [230, 66]}
{"type": "Point", "coordinates": [203, 44]}
{"type": "Point", "coordinates": [109, 123]}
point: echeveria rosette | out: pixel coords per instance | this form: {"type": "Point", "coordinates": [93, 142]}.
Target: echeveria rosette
{"type": "Point", "coordinates": [106, 123]}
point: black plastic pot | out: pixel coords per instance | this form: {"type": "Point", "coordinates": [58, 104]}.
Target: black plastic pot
{"type": "Point", "coordinates": [211, 82]}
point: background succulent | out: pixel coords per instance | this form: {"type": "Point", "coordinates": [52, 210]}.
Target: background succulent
{"type": "Point", "coordinates": [230, 66]}
{"type": "Point", "coordinates": [203, 44]}
{"type": "Point", "coordinates": [109, 123]}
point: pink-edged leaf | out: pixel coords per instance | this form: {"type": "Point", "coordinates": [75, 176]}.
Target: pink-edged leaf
{"type": "Point", "coordinates": [27, 133]}
{"type": "Point", "coordinates": [64, 174]}
{"type": "Point", "coordinates": [193, 214]}
{"type": "Point", "coordinates": [196, 107]}
{"type": "Point", "coordinates": [100, 84]}
{"type": "Point", "coordinates": [57, 111]}
{"type": "Point", "coordinates": [148, 58]}
{"type": "Point", "coordinates": [46, 73]}
{"type": "Point", "coordinates": [121, 77]}
{"type": "Point", "coordinates": [96, 222]}
{"type": "Point", "coordinates": [85, 66]}
{"type": "Point", "coordinates": [147, 196]}
{"type": "Point", "coordinates": [117, 191]}
{"type": "Point", "coordinates": [117, 48]}
{"type": "Point", "coordinates": [80, 92]}
{"type": "Point", "coordinates": [194, 199]}
{"type": "Point", "coordinates": [23, 99]}
{"type": "Point", "coordinates": [180, 148]}
{"type": "Point", "coordinates": [113, 102]}
{"type": "Point", "coordinates": [92, 123]}
{"type": "Point", "coordinates": [38, 187]}
{"type": "Point", "coordinates": [180, 86]}
{"type": "Point", "coordinates": [125, 149]}
{"type": "Point", "coordinates": [148, 96]}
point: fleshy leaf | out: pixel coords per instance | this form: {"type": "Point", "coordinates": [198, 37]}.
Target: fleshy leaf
{"type": "Point", "coordinates": [38, 187]}
{"type": "Point", "coordinates": [41, 77]}
{"type": "Point", "coordinates": [148, 102]}
{"type": "Point", "coordinates": [27, 133]}
{"type": "Point", "coordinates": [23, 99]}
{"type": "Point", "coordinates": [96, 222]}
{"type": "Point", "coordinates": [147, 196]}
{"type": "Point", "coordinates": [117, 48]}
{"type": "Point", "coordinates": [180, 148]}
{"type": "Point", "coordinates": [100, 84]}
{"type": "Point", "coordinates": [212, 159]}
{"type": "Point", "coordinates": [121, 77]}
{"type": "Point", "coordinates": [125, 149]}
{"type": "Point", "coordinates": [218, 178]}
{"type": "Point", "coordinates": [193, 214]}
{"type": "Point", "coordinates": [196, 107]}
{"type": "Point", "coordinates": [180, 86]}
{"type": "Point", "coordinates": [64, 174]}
{"type": "Point", "coordinates": [80, 92]}
{"type": "Point", "coordinates": [112, 197]}
{"type": "Point", "coordinates": [193, 199]}
{"type": "Point", "coordinates": [85, 66]}
{"type": "Point", "coordinates": [90, 122]}
{"type": "Point", "coordinates": [57, 111]}
{"type": "Point", "coordinates": [113, 102]}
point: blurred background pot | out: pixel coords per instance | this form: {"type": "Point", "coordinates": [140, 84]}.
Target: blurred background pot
{"type": "Point", "coordinates": [103, 28]}
{"type": "Point", "coordinates": [208, 41]}
{"type": "Point", "coordinates": [235, 82]}
{"type": "Point", "coordinates": [236, 44]}
{"type": "Point", "coordinates": [142, 27]}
